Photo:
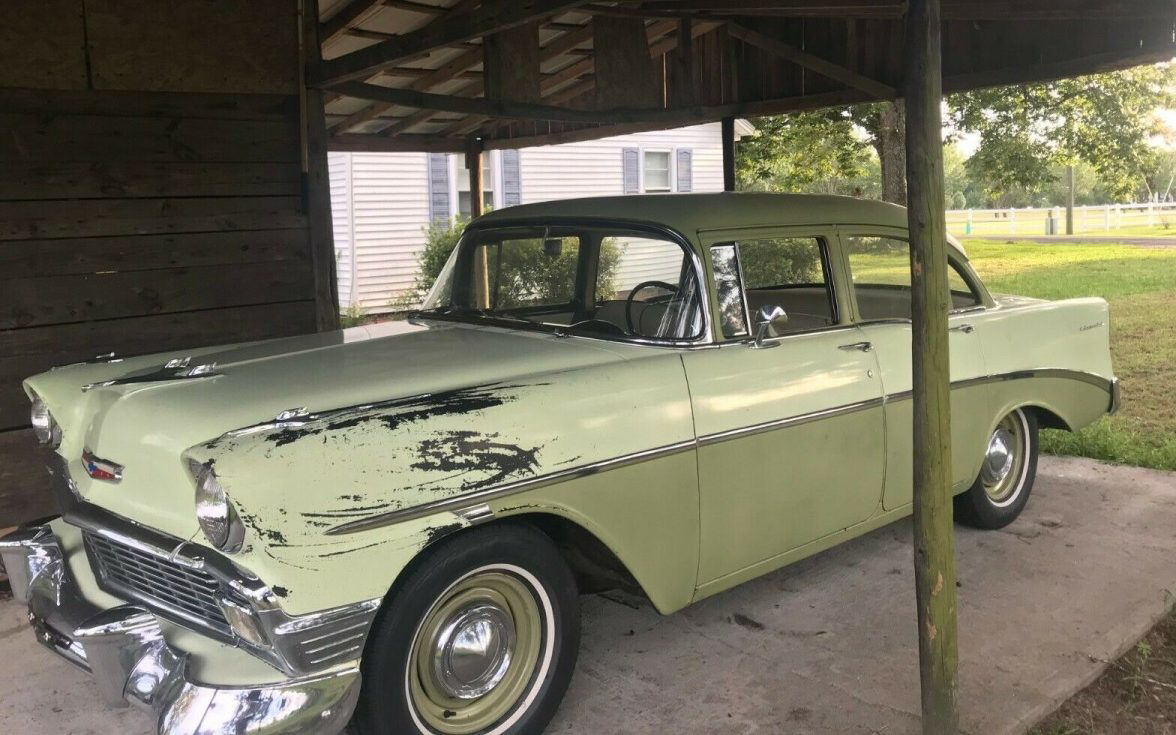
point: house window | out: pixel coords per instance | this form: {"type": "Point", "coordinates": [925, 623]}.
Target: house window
{"type": "Point", "coordinates": [656, 171]}
{"type": "Point", "coordinates": [463, 185]}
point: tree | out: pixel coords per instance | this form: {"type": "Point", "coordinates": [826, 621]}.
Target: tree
{"type": "Point", "coordinates": [1103, 120]}
{"type": "Point", "coordinates": [799, 152]}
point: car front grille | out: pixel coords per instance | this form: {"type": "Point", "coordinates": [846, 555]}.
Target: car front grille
{"type": "Point", "coordinates": [165, 586]}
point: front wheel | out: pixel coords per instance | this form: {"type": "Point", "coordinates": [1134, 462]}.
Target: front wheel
{"type": "Point", "coordinates": [1006, 475]}
{"type": "Point", "coordinates": [480, 639]}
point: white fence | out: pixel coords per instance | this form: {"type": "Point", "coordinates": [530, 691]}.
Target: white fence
{"type": "Point", "coordinates": [1140, 219]}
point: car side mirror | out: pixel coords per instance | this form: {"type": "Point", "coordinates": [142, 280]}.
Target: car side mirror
{"type": "Point", "coordinates": [768, 316]}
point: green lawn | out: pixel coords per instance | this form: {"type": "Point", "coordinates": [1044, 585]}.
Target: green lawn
{"type": "Point", "coordinates": [1140, 285]}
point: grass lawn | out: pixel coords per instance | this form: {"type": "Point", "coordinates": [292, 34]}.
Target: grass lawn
{"type": "Point", "coordinates": [1140, 285]}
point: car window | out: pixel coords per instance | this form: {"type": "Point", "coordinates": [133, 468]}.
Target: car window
{"type": "Point", "coordinates": [788, 272]}
{"type": "Point", "coordinates": [881, 272]}
{"type": "Point", "coordinates": [597, 281]}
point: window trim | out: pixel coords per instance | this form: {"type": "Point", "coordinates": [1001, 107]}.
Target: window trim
{"type": "Point", "coordinates": [824, 246]}
{"type": "Point", "coordinates": [457, 173]}
{"type": "Point", "coordinates": [979, 291]}
{"type": "Point", "coordinates": [671, 170]}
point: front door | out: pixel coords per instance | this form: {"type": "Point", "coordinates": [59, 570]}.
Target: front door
{"type": "Point", "coordinates": [791, 435]}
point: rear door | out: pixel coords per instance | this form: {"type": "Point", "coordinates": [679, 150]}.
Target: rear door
{"type": "Point", "coordinates": [878, 263]}
{"type": "Point", "coordinates": [790, 433]}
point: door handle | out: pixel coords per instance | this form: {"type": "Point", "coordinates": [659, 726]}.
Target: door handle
{"type": "Point", "coordinates": [965, 328]}
{"type": "Point", "coordinates": [857, 346]}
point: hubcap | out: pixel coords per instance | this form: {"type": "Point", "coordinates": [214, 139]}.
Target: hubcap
{"type": "Point", "coordinates": [1004, 460]}
{"type": "Point", "coordinates": [473, 651]}
{"type": "Point", "coordinates": [477, 652]}
{"type": "Point", "coordinates": [998, 462]}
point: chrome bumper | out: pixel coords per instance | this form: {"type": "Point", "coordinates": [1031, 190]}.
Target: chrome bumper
{"type": "Point", "coordinates": [1116, 397]}
{"type": "Point", "coordinates": [125, 651]}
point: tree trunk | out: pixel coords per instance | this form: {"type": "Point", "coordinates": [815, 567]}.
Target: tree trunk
{"type": "Point", "coordinates": [891, 146]}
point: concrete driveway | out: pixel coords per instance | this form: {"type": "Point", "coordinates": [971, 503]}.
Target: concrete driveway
{"type": "Point", "coordinates": [827, 645]}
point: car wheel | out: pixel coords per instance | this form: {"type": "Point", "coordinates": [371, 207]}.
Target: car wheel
{"type": "Point", "coordinates": [1006, 476]}
{"type": "Point", "coordinates": [480, 638]}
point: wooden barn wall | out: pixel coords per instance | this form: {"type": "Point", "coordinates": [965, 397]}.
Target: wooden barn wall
{"type": "Point", "coordinates": [151, 191]}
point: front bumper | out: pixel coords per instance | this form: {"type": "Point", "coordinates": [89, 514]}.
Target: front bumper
{"type": "Point", "coordinates": [124, 649]}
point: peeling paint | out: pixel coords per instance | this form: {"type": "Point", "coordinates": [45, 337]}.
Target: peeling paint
{"type": "Point", "coordinates": [476, 457]}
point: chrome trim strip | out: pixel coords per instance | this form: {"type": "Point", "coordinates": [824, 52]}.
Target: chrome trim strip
{"type": "Point", "coordinates": [460, 502]}
{"type": "Point", "coordinates": [804, 418]}
{"type": "Point", "coordinates": [510, 488]}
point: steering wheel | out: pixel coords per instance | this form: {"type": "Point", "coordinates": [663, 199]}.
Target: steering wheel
{"type": "Point", "coordinates": [639, 287]}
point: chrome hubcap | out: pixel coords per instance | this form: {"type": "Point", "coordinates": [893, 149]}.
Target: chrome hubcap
{"type": "Point", "coordinates": [999, 459]}
{"type": "Point", "coordinates": [472, 652]}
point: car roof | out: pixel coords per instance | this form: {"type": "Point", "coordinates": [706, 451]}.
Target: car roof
{"type": "Point", "coordinates": [692, 213]}
{"type": "Point", "coordinates": [719, 211]}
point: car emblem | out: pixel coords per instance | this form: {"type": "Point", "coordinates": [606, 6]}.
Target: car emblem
{"type": "Point", "coordinates": [101, 469]}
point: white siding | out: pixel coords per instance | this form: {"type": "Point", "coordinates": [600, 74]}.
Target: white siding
{"type": "Point", "coordinates": [339, 166]}
{"type": "Point", "coordinates": [383, 210]}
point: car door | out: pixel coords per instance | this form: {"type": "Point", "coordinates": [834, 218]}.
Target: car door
{"type": "Point", "coordinates": [790, 432]}
{"type": "Point", "coordinates": [878, 263]}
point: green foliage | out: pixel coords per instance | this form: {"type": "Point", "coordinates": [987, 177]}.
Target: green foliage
{"type": "Point", "coordinates": [813, 152]}
{"type": "Point", "coordinates": [352, 316]}
{"type": "Point", "coordinates": [1103, 120]}
{"type": "Point", "coordinates": [529, 275]}
{"type": "Point", "coordinates": [440, 239]}
{"type": "Point", "coordinates": [780, 262]}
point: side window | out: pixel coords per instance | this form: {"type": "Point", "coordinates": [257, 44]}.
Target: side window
{"type": "Point", "coordinates": [787, 272]}
{"type": "Point", "coordinates": [881, 271]}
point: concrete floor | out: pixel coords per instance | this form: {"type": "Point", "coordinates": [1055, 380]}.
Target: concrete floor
{"type": "Point", "coordinates": [827, 645]}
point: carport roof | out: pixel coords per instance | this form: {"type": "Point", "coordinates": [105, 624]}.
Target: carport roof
{"type": "Point", "coordinates": [461, 75]}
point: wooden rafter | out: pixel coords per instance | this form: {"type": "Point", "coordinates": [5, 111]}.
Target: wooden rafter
{"type": "Point", "coordinates": [351, 15]}
{"type": "Point", "coordinates": [977, 10]}
{"type": "Point", "coordinates": [558, 46]}
{"type": "Point", "coordinates": [490, 16]}
{"type": "Point", "coordinates": [813, 62]}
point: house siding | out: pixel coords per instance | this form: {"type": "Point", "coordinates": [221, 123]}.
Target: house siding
{"type": "Point", "coordinates": [381, 214]}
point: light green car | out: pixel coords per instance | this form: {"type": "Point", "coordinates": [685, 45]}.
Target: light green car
{"type": "Point", "coordinates": [390, 525]}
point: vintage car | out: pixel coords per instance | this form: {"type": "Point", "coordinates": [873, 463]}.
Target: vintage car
{"type": "Point", "coordinates": [390, 525]}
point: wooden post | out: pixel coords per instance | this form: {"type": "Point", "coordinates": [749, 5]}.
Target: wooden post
{"type": "Point", "coordinates": [728, 154]}
{"type": "Point", "coordinates": [1069, 200]}
{"type": "Point", "coordinates": [316, 184]}
{"type": "Point", "coordinates": [473, 161]}
{"type": "Point", "coordinates": [934, 540]}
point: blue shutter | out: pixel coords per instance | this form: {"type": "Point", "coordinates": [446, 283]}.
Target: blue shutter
{"type": "Point", "coordinates": [439, 208]}
{"type": "Point", "coordinates": [631, 164]}
{"type": "Point", "coordinates": [512, 182]}
{"type": "Point", "coordinates": [685, 169]}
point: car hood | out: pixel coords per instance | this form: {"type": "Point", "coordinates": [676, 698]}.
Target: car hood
{"type": "Point", "coordinates": [133, 414]}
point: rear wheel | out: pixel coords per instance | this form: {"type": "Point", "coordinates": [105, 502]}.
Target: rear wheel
{"type": "Point", "coordinates": [1006, 475]}
{"type": "Point", "coordinates": [480, 639]}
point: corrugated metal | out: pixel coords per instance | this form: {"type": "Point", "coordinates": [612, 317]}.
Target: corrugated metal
{"type": "Point", "coordinates": [388, 202]}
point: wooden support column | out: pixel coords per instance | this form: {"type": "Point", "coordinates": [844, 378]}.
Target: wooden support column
{"type": "Point", "coordinates": [728, 154]}
{"type": "Point", "coordinates": [934, 540]}
{"type": "Point", "coordinates": [477, 193]}
{"type": "Point", "coordinates": [316, 183]}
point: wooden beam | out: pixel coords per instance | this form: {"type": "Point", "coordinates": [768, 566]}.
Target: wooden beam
{"type": "Point", "coordinates": [489, 17]}
{"type": "Point", "coordinates": [467, 105]}
{"type": "Point", "coordinates": [398, 144]}
{"type": "Point", "coordinates": [934, 535]}
{"type": "Point", "coordinates": [350, 15]}
{"type": "Point", "coordinates": [815, 63]}
{"type": "Point", "coordinates": [977, 10]}
{"type": "Point", "coordinates": [511, 64]}
{"type": "Point", "coordinates": [728, 127]}
{"type": "Point", "coordinates": [625, 75]}
{"type": "Point", "coordinates": [442, 74]}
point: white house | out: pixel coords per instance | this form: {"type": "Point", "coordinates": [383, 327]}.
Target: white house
{"type": "Point", "coordinates": [382, 202]}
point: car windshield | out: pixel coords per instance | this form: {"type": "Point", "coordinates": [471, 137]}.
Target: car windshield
{"type": "Point", "coordinates": [595, 281]}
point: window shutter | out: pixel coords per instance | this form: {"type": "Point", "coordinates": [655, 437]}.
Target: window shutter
{"type": "Point", "coordinates": [439, 208]}
{"type": "Point", "coordinates": [512, 182]}
{"type": "Point", "coordinates": [685, 169]}
{"type": "Point", "coordinates": [631, 163]}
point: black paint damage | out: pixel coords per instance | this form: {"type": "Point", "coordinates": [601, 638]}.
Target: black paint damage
{"type": "Point", "coordinates": [481, 460]}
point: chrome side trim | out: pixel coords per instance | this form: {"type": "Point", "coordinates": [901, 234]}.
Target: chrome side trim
{"type": "Point", "coordinates": [460, 502]}
{"type": "Point", "coordinates": [805, 418]}
{"type": "Point", "coordinates": [510, 488]}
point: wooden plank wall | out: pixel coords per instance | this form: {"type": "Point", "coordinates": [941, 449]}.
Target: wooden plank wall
{"type": "Point", "coordinates": [151, 192]}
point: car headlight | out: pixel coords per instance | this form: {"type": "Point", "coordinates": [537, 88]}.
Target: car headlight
{"type": "Point", "coordinates": [214, 512]}
{"type": "Point", "coordinates": [45, 427]}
